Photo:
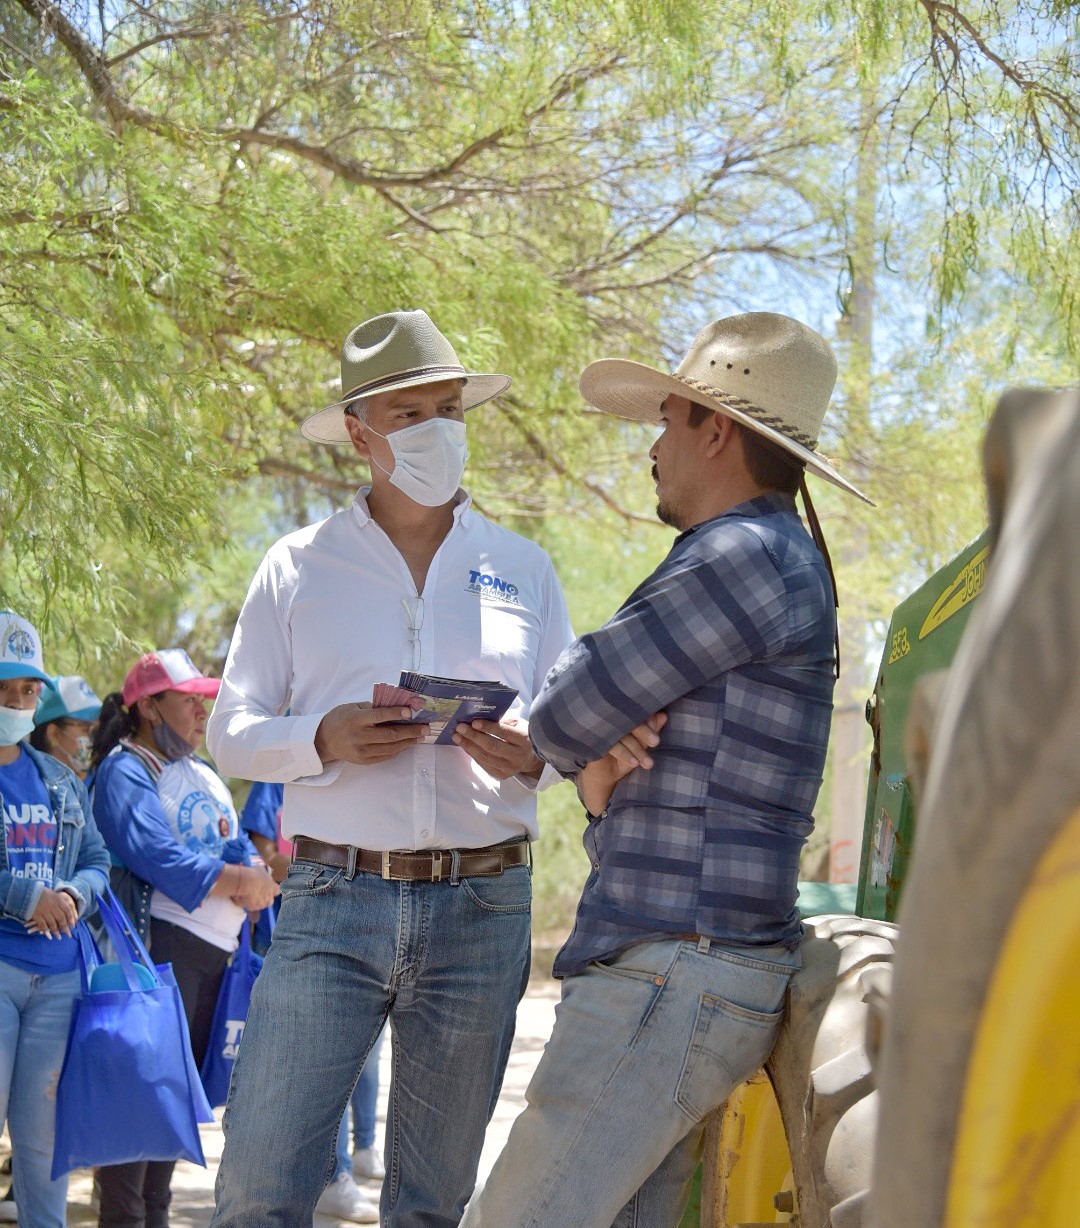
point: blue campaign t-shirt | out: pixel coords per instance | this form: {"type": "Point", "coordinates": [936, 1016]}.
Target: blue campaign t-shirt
{"type": "Point", "coordinates": [30, 832]}
{"type": "Point", "coordinates": [262, 810]}
{"type": "Point", "coordinates": [261, 816]}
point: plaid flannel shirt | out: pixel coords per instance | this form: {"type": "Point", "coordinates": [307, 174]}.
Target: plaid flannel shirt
{"type": "Point", "coordinates": [732, 636]}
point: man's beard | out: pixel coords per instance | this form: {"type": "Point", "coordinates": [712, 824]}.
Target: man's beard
{"type": "Point", "coordinates": [664, 513]}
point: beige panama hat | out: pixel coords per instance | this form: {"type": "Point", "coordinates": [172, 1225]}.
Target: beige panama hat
{"type": "Point", "coordinates": [767, 371]}
{"type": "Point", "coordinates": [401, 349]}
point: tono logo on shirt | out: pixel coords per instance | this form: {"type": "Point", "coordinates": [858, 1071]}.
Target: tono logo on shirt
{"type": "Point", "coordinates": [492, 588]}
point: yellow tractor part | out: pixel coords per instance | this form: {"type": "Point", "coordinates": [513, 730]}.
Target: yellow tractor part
{"type": "Point", "coordinates": [1018, 1138]}
{"type": "Point", "coordinates": [753, 1179]}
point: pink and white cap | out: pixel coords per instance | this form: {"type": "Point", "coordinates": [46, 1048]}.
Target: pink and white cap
{"type": "Point", "coordinates": [168, 669]}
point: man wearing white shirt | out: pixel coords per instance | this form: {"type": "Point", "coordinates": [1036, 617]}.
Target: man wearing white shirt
{"type": "Point", "coordinates": [408, 897]}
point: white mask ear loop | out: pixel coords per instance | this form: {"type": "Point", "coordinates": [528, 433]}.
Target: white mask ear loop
{"type": "Point", "coordinates": [371, 456]}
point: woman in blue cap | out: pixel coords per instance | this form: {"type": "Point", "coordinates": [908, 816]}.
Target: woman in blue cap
{"type": "Point", "coordinates": [64, 722]}
{"type": "Point", "coordinates": [53, 865]}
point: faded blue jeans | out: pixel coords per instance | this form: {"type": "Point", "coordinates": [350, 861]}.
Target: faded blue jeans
{"type": "Point", "coordinates": [35, 1013]}
{"type": "Point", "coordinates": [645, 1045]}
{"type": "Point", "coordinates": [447, 963]}
{"type": "Point", "coordinates": [364, 1103]}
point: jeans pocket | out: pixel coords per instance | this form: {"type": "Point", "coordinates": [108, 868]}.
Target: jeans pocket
{"type": "Point", "coordinates": [729, 1043]}
{"type": "Point", "coordinates": [644, 961]}
{"type": "Point", "coordinates": [309, 878]}
{"type": "Point", "coordinates": [508, 892]}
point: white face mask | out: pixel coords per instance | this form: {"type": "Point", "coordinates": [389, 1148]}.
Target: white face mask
{"type": "Point", "coordinates": [15, 724]}
{"type": "Point", "coordinates": [80, 760]}
{"type": "Point", "coordinates": [429, 459]}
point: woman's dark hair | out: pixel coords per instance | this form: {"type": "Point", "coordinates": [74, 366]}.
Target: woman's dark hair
{"type": "Point", "coordinates": [114, 722]}
{"type": "Point", "coordinates": [38, 740]}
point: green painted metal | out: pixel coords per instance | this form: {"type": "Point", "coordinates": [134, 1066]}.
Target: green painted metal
{"type": "Point", "coordinates": [816, 899]}
{"type": "Point", "coordinates": [923, 636]}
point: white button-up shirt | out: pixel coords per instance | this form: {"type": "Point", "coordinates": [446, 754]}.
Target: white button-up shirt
{"type": "Point", "coordinates": [332, 610]}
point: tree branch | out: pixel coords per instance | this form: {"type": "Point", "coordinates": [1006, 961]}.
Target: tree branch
{"type": "Point", "coordinates": [549, 458]}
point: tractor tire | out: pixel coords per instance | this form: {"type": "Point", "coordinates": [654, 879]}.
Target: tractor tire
{"type": "Point", "coordinates": [1002, 794]}
{"type": "Point", "coordinates": [820, 1075]}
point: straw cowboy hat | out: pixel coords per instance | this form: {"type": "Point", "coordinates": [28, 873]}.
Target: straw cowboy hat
{"type": "Point", "coordinates": [767, 371]}
{"type": "Point", "coordinates": [401, 349]}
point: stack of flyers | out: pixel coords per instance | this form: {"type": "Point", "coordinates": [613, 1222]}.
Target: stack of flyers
{"type": "Point", "coordinates": [443, 702]}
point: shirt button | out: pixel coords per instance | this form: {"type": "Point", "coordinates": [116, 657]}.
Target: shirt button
{"type": "Point", "coordinates": [425, 832]}
{"type": "Point", "coordinates": [596, 865]}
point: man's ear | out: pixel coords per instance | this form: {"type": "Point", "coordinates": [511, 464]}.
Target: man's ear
{"type": "Point", "coordinates": [720, 432]}
{"type": "Point", "coordinates": [358, 436]}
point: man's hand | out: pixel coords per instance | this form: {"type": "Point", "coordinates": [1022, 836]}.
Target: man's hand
{"type": "Point", "coordinates": [501, 748]}
{"type": "Point", "coordinates": [56, 913]}
{"type": "Point", "coordinates": [359, 733]}
{"type": "Point", "coordinates": [597, 780]}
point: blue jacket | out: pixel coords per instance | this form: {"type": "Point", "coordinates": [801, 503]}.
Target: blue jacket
{"type": "Point", "coordinates": [80, 861]}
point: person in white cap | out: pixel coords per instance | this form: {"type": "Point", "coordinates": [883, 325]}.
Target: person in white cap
{"type": "Point", "coordinates": [409, 892]}
{"type": "Point", "coordinates": [53, 866]}
{"type": "Point", "coordinates": [65, 720]}
{"type": "Point", "coordinates": [696, 723]}
{"type": "Point", "coordinates": [185, 871]}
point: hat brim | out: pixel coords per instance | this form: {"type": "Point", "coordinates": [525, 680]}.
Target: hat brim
{"type": "Point", "coordinates": [207, 687]}
{"type": "Point", "coordinates": [47, 714]}
{"type": "Point", "coordinates": [632, 390]}
{"type": "Point", "coordinates": [328, 425]}
{"type": "Point", "coordinates": [9, 669]}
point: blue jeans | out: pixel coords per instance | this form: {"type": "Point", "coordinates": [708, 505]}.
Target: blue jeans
{"type": "Point", "coordinates": [447, 963]}
{"type": "Point", "coordinates": [35, 1013]}
{"type": "Point", "coordinates": [645, 1045]}
{"type": "Point", "coordinates": [364, 1104]}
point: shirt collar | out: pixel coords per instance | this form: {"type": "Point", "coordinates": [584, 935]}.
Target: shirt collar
{"type": "Point", "coordinates": [761, 505]}
{"type": "Point", "coordinates": [362, 514]}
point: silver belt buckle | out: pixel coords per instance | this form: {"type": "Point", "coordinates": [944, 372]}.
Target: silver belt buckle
{"type": "Point", "coordinates": [386, 863]}
{"type": "Point", "coordinates": [436, 866]}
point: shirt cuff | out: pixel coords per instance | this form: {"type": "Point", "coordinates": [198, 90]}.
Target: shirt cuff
{"type": "Point", "coordinates": [310, 768]}
{"type": "Point", "coordinates": [76, 895]}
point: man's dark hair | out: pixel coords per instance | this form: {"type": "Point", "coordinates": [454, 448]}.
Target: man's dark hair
{"type": "Point", "coordinates": [770, 465]}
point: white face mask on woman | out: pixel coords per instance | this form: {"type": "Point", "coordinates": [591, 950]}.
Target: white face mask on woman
{"type": "Point", "coordinates": [15, 724]}
{"type": "Point", "coordinates": [80, 757]}
{"type": "Point", "coordinates": [429, 459]}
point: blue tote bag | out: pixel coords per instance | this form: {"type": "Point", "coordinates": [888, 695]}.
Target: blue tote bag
{"type": "Point", "coordinates": [230, 1016]}
{"type": "Point", "coordinates": [128, 1087]}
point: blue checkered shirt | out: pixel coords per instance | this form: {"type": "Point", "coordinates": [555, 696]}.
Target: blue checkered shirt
{"type": "Point", "coordinates": [731, 636]}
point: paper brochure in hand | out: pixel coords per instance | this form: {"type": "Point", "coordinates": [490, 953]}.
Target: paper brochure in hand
{"type": "Point", "coordinates": [444, 702]}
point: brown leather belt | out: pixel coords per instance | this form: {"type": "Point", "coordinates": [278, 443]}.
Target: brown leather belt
{"type": "Point", "coordinates": [428, 866]}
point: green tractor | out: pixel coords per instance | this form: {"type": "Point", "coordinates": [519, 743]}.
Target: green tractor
{"type": "Point", "coordinates": [928, 1076]}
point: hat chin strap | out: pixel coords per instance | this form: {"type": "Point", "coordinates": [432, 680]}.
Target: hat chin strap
{"type": "Point", "coordinates": [819, 541]}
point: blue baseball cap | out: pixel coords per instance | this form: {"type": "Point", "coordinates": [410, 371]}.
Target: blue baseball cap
{"type": "Point", "coordinates": [72, 697]}
{"type": "Point", "coordinates": [20, 649]}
